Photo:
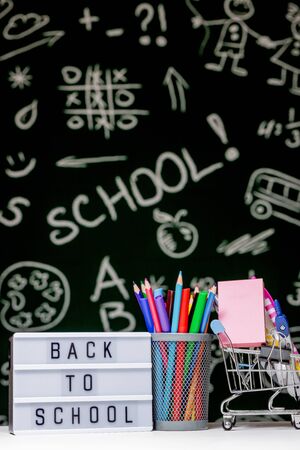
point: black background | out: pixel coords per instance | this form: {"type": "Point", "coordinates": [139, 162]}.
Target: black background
{"type": "Point", "coordinates": [215, 204]}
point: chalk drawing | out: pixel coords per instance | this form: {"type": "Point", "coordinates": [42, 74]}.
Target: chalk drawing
{"type": "Point", "coordinates": [71, 162]}
{"type": "Point", "coordinates": [148, 12]}
{"type": "Point", "coordinates": [4, 380]}
{"type": "Point", "coordinates": [268, 128]}
{"type": "Point", "coordinates": [273, 193]}
{"type": "Point", "coordinates": [109, 311]}
{"type": "Point", "coordinates": [26, 117]}
{"type": "Point", "coordinates": [204, 283]}
{"type": "Point", "coordinates": [233, 36]}
{"type": "Point", "coordinates": [45, 313]}
{"type": "Point", "coordinates": [105, 269]}
{"type": "Point", "coordinates": [287, 56]}
{"type": "Point", "coordinates": [175, 238]}
{"type": "Point", "coordinates": [176, 85]}
{"type": "Point", "coordinates": [22, 25]}
{"type": "Point", "coordinates": [20, 77]}
{"type": "Point", "coordinates": [14, 209]}
{"type": "Point", "coordinates": [114, 32]}
{"type": "Point", "coordinates": [17, 172]}
{"type": "Point", "coordinates": [87, 20]}
{"type": "Point", "coordinates": [103, 100]}
{"type": "Point", "coordinates": [24, 286]}
{"type": "Point", "coordinates": [157, 282]}
{"type": "Point", "coordinates": [247, 244]}
{"type": "Point", "coordinates": [182, 168]}
{"type": "Point", "coordinates": [294, 299]}
{"type": "Point", "coordinates": [6, 7]}
{"type": "Point", "coordinates": [216, 123]}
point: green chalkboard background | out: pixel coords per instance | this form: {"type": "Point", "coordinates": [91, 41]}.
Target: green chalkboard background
{"type": "Point", "coordinates": [129, 134]}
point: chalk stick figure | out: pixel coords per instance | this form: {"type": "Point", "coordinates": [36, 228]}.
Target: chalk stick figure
{"type": "Point", "coordinates": [233, 36]}
{"type": "Point", "coordinates": [287, 56]}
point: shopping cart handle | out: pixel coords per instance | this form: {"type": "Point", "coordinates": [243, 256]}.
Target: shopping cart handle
{"type": "Point", "coordinates": [217, 326]}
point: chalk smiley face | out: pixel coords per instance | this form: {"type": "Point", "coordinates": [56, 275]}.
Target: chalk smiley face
{"type": "Point", "coordinates": [33, 296]}
{"type": "Point", "coordinates": [176, 238]}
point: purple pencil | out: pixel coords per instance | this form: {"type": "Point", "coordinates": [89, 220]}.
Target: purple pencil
{"type": "Point", "coordinates": [162, 313]}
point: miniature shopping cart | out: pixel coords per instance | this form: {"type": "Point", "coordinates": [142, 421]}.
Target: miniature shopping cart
{"type": "Point", "coordinates": [271, 368]}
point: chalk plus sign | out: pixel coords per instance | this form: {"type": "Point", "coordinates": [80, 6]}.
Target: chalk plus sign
{"type": "Point", "coordinates": [87, 19]}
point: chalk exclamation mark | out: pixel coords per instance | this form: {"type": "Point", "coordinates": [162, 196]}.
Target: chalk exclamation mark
{"type": "Point", "coordinates": [161, 41]}
{"type": "Point", "coordinates": [217, 125]}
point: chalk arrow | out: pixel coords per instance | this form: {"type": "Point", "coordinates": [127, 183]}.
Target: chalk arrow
{"type": "Point", "coordinates": [50, 38]}
{"type": "Point", "coordinates": [176, 85]}
{"type": "Point", "coordinates": [70, 162]}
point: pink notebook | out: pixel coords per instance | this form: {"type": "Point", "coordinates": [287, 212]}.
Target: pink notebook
{"type": "Point", "coordinates": [241, 311]}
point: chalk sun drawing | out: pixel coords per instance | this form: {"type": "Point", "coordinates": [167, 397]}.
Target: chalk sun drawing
{"type": "Point", "coordinates": [33, 295]}
{"type": "Point", "coordinates": [175, 238]}
{"type": "Point", "coordinates": [20, 77]}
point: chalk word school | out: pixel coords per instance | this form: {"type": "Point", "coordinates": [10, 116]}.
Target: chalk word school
{"type": "Point", "coordinates": [183, 168]}
{"type": "Point", "coordinates": [80, 381]}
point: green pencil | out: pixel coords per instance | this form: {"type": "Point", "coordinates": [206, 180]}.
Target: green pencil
{"type": "Point", "coordinates": [198, 312]}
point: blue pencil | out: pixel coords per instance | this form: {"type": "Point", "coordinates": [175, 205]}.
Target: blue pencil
{"type": "Point", "coordinates": [144, 305]}
{"type": "Point", "coordinates": [208, 308]}
{"type": "Point", "coordinates": [176, 305]}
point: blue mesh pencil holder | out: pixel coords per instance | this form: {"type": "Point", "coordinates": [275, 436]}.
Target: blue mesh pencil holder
{"type": "Point", "coordinates": [181, 373]}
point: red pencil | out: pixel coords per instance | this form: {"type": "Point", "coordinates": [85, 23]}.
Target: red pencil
{"type": "Point", "coordinates": [184, 311]}
{"type": "Point", "coordinates": [152, 306]}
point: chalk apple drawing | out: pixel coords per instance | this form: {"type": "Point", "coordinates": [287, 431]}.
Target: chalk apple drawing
{"type": "Point", "coordinates": [176, 238]}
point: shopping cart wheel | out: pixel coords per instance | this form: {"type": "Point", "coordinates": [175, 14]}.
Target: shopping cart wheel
{"type": "Point", "coordinates": [228, 422]}
{"type": "Point", "coordinates": [295, 421]}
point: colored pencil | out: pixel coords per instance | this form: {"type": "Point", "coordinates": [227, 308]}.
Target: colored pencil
{"type": "Point", "coordinates": [143, 289]}
{"type": "Point", "coordinates": [177, 301]}
{"type": "Point", "coordinates": [184, 311]}
{"type": "Point", "coordinates": [144, 305]}
{"type": "Point", "coordinates": [152, 306]}
{"type": "Point", "coordinates": [198, 312]}
{"type": "Point", "coordinates": [208, 308]}
{"type": "Point", "coordinates": [169, 304]}
{"type": "Point", "coordinates": [193, 305]}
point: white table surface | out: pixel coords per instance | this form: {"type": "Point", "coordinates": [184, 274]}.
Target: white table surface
{"type": "Point", "coordinates": [254, 436]}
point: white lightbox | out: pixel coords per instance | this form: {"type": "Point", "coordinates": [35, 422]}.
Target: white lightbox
{"type": "Point", "coordinates": [80, 382]}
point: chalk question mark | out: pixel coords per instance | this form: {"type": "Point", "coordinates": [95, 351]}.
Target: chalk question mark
{"type": "Point", "coordinates": [161, 41]}
{"type": "Point", "coordinates": [145, 39]}
{"type": "Point", "coordinates": [217, 125]}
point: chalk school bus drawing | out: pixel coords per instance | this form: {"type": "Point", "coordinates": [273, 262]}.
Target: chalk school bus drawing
{"type": "Point", "coordinates": [273, 193]}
